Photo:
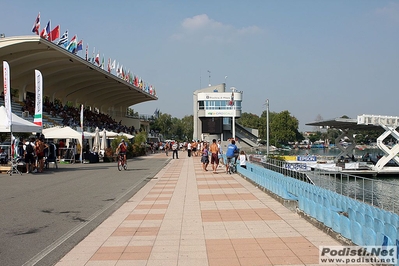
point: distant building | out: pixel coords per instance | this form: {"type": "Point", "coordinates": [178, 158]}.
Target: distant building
{"type": "Point", "coordinates": [214, 108]}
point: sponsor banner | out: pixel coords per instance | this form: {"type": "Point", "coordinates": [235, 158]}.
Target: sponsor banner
{"type": "Point", "coordinates": [219, 113]}
{"type": "Point", "coordinates": [295, 166]}
{"type": "Point", "coordinates": [218, 96]}
{"type": "Point", "coordinates": [37, 118]}
{"type": "Point", "coordinates": [357, 255]}
{"type": "Point", "coordinates": [7, 93]}
{"type": "Point", "coordinates": [306, 158]}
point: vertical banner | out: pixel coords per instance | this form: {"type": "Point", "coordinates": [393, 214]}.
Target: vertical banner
{"type": "Point", "coordinates": [7, 93]}
{"type": "Point", "coordinates": [81, 117]}
{"type": "Point", "coordinates": [37, 118]}
{"type": "Point", "coordinates": [81, 126]}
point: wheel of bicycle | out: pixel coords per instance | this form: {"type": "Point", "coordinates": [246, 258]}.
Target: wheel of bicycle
{"type": "Point", "coordinates": [119, 164]}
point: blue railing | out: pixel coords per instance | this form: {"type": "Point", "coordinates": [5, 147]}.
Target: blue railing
{"type": "Point", "coordinates": [358, 221]}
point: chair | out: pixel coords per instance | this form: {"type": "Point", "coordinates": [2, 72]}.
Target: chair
{"type": "Point", "coordinates": [336, 222]}
{"type": "Point", "coordinates": [14, 166]}
{"type": "Point", "coordinates": [391, 231]}
{"type": "Point", "coordinates": [378, 225]}
{"type": "Point", "coordinates": [369, 237]}
{"type": "Point", "coordinates": [356, 233]}
{"type": "Point", "coordinates": [345, 227]}
{"type": "Point", "coordinates": [360, 218]}
{"type": "Point", "coordinates": [368, 221]}
{"type": "Point", "coordinates": [327, 214]}
{"type": "Point", "coordinates": [352, 214]}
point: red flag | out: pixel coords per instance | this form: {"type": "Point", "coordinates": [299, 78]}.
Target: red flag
{"type": "Point", "coordinates": [54, 34]}
{"type": "Point", "coordinates": [97, 60]}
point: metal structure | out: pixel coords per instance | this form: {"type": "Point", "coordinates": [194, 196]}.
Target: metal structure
{"type": "Point", "coordinates": [389, 124]}
{"type": "Point", "coordinates": [67, 76]}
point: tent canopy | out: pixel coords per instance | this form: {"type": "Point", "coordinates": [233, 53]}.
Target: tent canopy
{"type": "Point", "coordinates": [62, 133]}
{"type": "Point", "coordinates": [18, 124]}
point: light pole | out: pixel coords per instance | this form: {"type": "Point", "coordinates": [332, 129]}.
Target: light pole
{"type": "Point", "coordinates": [267, 128]}
{"type": "Point", "coordinates": [234, 114]}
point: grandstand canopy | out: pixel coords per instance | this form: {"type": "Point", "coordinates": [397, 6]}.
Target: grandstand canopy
{"type": "Point", "coordinates": [66, 76]}
{"type": "Point", "coordinates": [343, 123]}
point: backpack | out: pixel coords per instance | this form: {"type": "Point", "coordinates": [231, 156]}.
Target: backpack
{"type": "Point", "coordinates": [29, 148]}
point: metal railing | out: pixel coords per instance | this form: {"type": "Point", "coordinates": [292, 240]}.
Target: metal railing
{"type": "Point", "coordinates": [378, 193]}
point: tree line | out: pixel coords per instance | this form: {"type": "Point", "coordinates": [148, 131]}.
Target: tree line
{"type": "Point", "coordinates": [283, 129]}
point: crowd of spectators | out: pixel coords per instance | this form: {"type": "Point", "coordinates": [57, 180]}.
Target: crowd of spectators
{"type": "Point", "coordinates": [71, 116]}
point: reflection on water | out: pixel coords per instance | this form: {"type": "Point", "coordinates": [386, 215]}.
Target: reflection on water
{"type": "Point", "coordinates": [381, 191]}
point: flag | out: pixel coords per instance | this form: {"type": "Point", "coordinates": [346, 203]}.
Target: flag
{"type": "Point", "coordinates": [109, 65]}
{"type": "Point", "coordinates": [102, 63]}
{"type": "Point", "coordinates": [63, 39]}
{"type": "Point", "coordinates": [79, 47]}
{"type": "Point", "coordinates": [97, 59]}
{"type": "Point", "coordinates": [37, 118]}
{"type": "Point", "coordinates": [231, 102]}
{"type": "Point", "coordinates": [36, 25]}
{"type": "Point", "coordinates": [113, 65]}
{"type": "Point", "coordinates": [87, 51]}
{"type": "Point", "coordinates": [54, 34]}
{"type": "Point", "coordinates": [7, 94]}
{"type": "Point", "coordinates": [72, 44]}
{"type": "Point", "coordinates": [46, 31]}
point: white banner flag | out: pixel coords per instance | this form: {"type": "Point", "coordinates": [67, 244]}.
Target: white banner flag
{"type": "Point", "coordinates": [38, 117]}
{"type": "Point", "coordinates": [7, 93]}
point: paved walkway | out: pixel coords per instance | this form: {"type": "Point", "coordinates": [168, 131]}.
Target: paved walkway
{"type": "Point", "coordinates": [185, 216]}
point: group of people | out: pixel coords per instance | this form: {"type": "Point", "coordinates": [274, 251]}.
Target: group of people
{"type": "Point", "coordinates": [215, 153]}
{"type": "Point", "coordinates": [71, 116]}
{"type": "Point", "coordinates": [34, 152]}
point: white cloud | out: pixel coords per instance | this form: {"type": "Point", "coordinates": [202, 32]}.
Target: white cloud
{"type": "Point", "coordinates": [204, 29]}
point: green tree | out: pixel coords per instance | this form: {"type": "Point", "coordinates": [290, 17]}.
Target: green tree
{"type": "Point", "coordinates": [188, 127]}
{"type": "Point", "coordinates": [163, 124]}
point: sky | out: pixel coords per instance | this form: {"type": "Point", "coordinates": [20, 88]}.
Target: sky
{"type": "Point", "coordinates": [316, 59]}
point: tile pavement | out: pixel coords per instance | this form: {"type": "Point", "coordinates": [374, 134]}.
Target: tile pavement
{"type": "Point", "coordinates": [187, 216]}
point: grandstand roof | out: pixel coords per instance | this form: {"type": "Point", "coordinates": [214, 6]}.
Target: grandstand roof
{"type": "Point", "coordinates": [343, 123]}
{"type": "Point", "coordinates": [66, 76]}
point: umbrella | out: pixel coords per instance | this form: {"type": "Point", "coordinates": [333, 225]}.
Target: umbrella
{"type": "Point", "coordinates": [96, 142]}
{"type": "Point", "coordinates": [126, 135]}
{"type": "Point", "coordinates": [103, 141]}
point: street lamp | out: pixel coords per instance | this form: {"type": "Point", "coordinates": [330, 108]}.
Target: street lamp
{"type": "Point", "coordinates": [233, 126]}
{"type": "Point", "coordinates": [267, 128]}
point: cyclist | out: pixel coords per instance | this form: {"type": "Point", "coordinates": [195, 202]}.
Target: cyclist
{"type": "Point", "coordinates": [121, 150]}
{"type": "Point", "coordinates": [231, 152]}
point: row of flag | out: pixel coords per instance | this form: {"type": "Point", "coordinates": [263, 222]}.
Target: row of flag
{"type": "Point", "coordinates": [74, 46]}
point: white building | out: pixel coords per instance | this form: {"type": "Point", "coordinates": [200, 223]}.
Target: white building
{"type": "Point", "coordinates": [215, 110]}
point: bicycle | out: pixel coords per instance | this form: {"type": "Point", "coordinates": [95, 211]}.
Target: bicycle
{"type": "Point", "coordinates": [231, 167]}
{"type": "Point", "coordinates": [120, 160]}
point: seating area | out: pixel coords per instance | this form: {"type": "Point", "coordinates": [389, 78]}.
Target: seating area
{"type": "Point", "coordinates": [357, 221]}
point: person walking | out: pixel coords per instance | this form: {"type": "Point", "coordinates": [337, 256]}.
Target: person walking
{"type": "Point", "coordinates": [175, 147]}
{"type": "Point", "coordinates": [214, 149]}
{"type": "Point", "coordinates": [220, 155]}
{"type": "Point", "coordinates": [29, 152]}
{"type": "Point", "coordinates": [205, 157]}
{"type": "Point", "coordinates": [189, 149]}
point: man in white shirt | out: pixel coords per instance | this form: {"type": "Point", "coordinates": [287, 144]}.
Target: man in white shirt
{"type": "Point", "coordinates": [220, 155]}
{"type": "Point", "coordinates": [174, 149]}
{"type": "Point", "coordinates": [189, 149]}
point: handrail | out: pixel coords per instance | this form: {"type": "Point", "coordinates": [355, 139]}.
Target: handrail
{"type": "Point", "coordinates": [378, 193]}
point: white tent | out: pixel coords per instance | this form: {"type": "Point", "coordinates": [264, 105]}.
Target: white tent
{"type": "Point", "coordinates": [18, 124]}
{"type": "Point", "coordinates": [62, 133]}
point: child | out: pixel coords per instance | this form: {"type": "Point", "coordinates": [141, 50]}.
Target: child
{"type": "Point", "coordinates": [243, 159]}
